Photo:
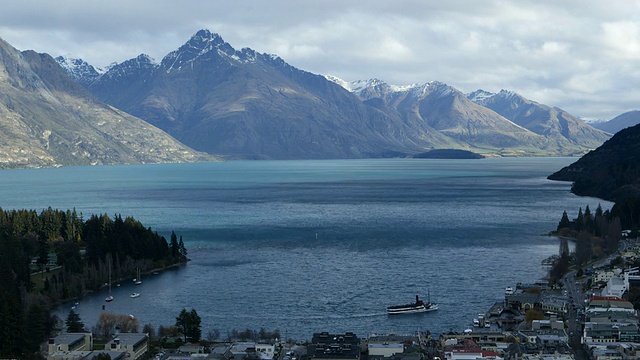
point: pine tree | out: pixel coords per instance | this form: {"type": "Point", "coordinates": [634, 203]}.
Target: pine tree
{"type": "Point", "coordinates": [580, 220]}
{"type": "Point", "coordinates": [564, 222]}
{"type": "Point", "coordinates": [182, 249]}
{"type": "Point", "coordinates": [564, 248]}
{"type": "Point", "coordinates": [189, 322]}
{"type": "Point", "coordinates": [73, 322]}
{"type": "Point", "coordinates": [175, 250]}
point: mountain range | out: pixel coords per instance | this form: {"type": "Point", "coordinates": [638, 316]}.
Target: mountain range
{"type": "Point", "coordinates": [50, 120]}
{"type": "Point", "coordinates": [622, 121]}
{"type": "Point", "coordinates": [244, 104]}
{"type": "Point", "coordinates": [208, 98]}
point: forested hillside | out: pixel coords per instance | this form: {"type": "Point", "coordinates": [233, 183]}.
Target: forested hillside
{"type": "Point", "coordinates": [55, 255]}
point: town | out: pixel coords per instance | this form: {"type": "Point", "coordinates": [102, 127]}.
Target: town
{"type": "Point", "coordinates": [587, 315]}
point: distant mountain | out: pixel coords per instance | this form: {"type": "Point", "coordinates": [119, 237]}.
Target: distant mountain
{"type": "Point", "coordinates": [80, 70]}
{"type": "Point", "coordinates": [50, 120]}
{"type": "Point", "coordinates": [610, 172]}
{"type": "Point", "coordinates": [244, 104]}
{"type": "Point", "coordinates": [553, 123]}
{"type": "Point", "coordinates": [622, 121]}
{"type": "Point", "coordinates": [446, 111]}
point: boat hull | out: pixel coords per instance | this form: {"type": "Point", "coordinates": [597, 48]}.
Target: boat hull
{"type": "Point", "coordinates": [411, 309]}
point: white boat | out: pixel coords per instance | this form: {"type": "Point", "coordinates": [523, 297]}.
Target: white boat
{"type": "Point", "coordinates": [138, 279]}
{"type": "Point", "coordinates": [508, 290]}
{"type": "Point", "coordinates": [418, 307]}
{"type": "Point", "coordinates": [135, 295]}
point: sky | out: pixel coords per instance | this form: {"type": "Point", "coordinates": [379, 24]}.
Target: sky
{"type": "Point", "coordinates": [580, 55]}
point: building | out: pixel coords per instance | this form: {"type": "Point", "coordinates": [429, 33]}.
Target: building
{"type": "Point", "coordinates": [384, 349]}
{"type": "Point", "coordinates": [610, 333]}
{"type": "Point", "coordinates": [616, 286]}
{"type": "Point", "coordinates": [524, 301]}
{"type": "Point", "coordinates": [553, 323]}
{"type": "Point", "coordinates": [251, 349]}
{"type": "Point", "coordinates": [334, 346]}
{"type": "Point", "coordinates": [602, 276]}
{"type": "Point", "coordinates": [135, 344]}
{"type": "Point", "coordinates": [71, 342]}
{"type": "Point", "coordinates": [609, 303]}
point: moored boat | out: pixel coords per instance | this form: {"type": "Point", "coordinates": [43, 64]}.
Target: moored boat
{"type": "Point", "coordinates": [135, 295]}
{"type": "Point", "coordinates": [418, 307]}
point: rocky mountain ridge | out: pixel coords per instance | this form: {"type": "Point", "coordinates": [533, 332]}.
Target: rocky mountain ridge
{"type": "Point", "coordinates": [50, 120]}
{"type": "Point", "coordinates": [244, 104]}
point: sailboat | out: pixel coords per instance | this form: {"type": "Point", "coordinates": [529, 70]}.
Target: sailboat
{"type": "Point", "coordinates": [109, 297]}
{"type": "Point", "coordinates": [138, 280]}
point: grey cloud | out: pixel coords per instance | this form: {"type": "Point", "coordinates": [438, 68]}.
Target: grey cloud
{"type": "Point", "coordinates": [580, 56]}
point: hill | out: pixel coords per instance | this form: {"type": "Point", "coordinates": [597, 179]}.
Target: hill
{"type": "Point", "coordinates": [611, 172]}
{"type": "Point", "coordinates": [50, 120]}
{"type": "Point", "coordinates": [554, 123]}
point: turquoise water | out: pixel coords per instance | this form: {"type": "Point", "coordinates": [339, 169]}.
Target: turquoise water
{"type": "Point", "coordinates": [307, 246]}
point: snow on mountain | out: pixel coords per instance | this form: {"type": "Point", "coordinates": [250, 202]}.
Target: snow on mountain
{"type": "Point", "coordinates": [80, 70]}
{"type": "Point", "coordinates": [360, 85]}
{"type": "Point", "coordinates": [142, 62]}
{"type": "Point", "coordinates": [376, 88]}
{"type": "Point", "coordinates": [205, 44]}
{"type": "Point", "coordinates": [479, 96]}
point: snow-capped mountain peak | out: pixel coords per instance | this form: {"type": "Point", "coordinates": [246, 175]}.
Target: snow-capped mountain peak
{"type": "Point", "coordinates": [80, 70]}
{"type": "Point", "coordinates": [479, 96]}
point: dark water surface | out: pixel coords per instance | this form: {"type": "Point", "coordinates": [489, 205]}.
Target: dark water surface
{"type": "Point", "coordinates": [307, 246]}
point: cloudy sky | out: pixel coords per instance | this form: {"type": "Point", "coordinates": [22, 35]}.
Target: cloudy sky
{"type": "Point", "coordinates": [582, 56]}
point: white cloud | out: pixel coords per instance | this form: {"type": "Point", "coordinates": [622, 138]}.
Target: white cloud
{"type": "Point", "coordinates": [580, 56]}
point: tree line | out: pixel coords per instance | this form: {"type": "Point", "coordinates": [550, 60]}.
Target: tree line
{"type": "Point", "coordinates": [595, 234]}
{"type": "Point", "coordinates": [52, 256]}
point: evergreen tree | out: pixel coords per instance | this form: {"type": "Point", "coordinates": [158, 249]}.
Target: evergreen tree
{"type": "Point", "coordinates": [37, 318]}
{"type": "Point", "coordinates": [175, 249]}
{"type": "Point", "coordinates": [583, 249]}
{"type": "Point", "coordinates": [564, 248]}
{"type": "Point", "coordinates": [564, 222]}
{"type": "Point", "coordinates": [589, 224]}
{"type": "Point", "coordinates": [73, 322]}
{"type": "Point", "coordinates": [189, 322]}
{"type": "Point", "coordinates": [580, 221]}
{"type": "Point", "coordinates": [195, 329]}
{"type": "Point", "coordinates": [598, 211]}
{"type": "Point", "coordinates": [182, 249]}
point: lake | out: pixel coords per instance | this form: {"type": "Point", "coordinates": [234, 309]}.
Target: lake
{"type": "Point", "coordinates": [326, 245]}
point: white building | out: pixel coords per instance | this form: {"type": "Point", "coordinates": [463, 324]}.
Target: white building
{"type": "Point", "coordinates": [135, 344]}
{"type": "Point", "coordinates": [385, 349]}
{"type": "Point", "coordinates": [602, 276]}
{"type": "Point", "coordinates": [616, 286]}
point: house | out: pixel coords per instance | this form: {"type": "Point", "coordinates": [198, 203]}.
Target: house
{"type": "Point", "coordinates": [135, 344]}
